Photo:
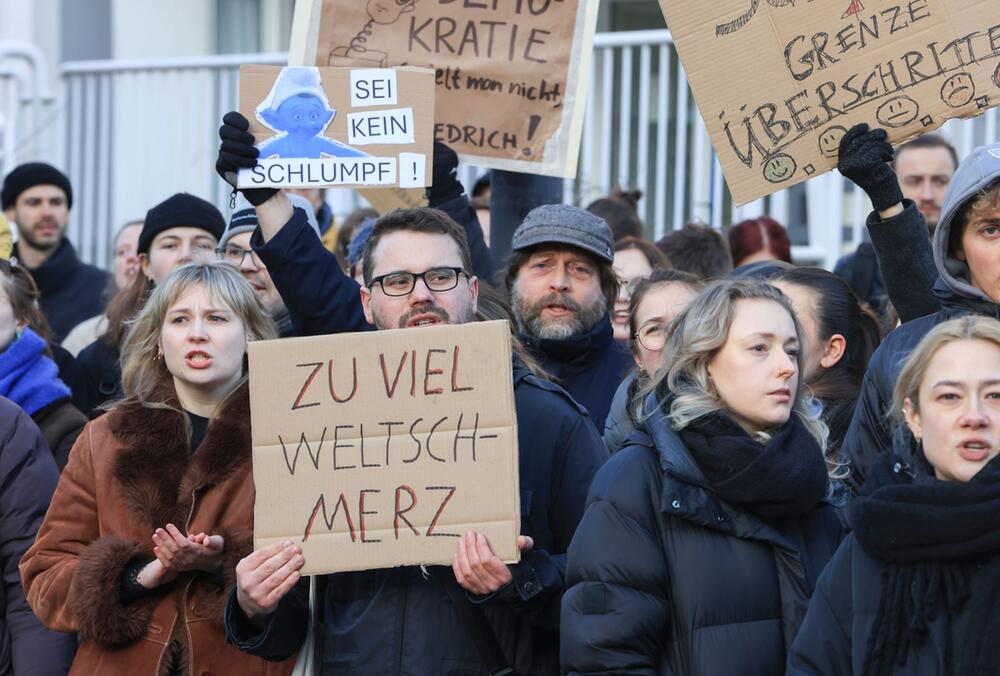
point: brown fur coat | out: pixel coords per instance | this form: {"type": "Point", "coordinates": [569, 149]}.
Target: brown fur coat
{"type": "Point", "coordinates": [132, 471]}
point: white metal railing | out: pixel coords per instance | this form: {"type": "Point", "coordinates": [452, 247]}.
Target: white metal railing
{"type": "Point", "coordinates": [131, 133]}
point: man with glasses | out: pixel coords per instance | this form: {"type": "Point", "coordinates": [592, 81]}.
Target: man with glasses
{"type": "Point", "coordinates": [480, 614]}
{"type": "Point", "coordinates": [234, 247]}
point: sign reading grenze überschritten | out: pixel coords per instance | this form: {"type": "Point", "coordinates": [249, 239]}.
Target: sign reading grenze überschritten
{"type": "Point", "coordinates": [780, 82]}
{"type": "Point", "coordinates": [380, 449]}
{"type": "Point", "coordinates": [339, 127]}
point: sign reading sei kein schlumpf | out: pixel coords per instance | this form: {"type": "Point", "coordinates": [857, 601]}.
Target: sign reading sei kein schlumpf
{"type": "Point", "coordinates": [373, 450]}
{"type": "Point", "coordinates": [339, 127]}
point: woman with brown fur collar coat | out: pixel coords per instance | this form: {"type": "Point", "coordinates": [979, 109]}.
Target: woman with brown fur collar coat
{"type": "Point", "coordinates": [138, 550]}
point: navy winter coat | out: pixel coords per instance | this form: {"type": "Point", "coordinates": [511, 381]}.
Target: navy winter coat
{"type": "Point", "coordinates": [28, 476]}
{"type": "Point", "coordinates": [590, 367]}
{"type": "Point", "coordinates": [400, 622]}
{"type": "Point", "coordinates": [665, 577]}
{"type": "Point", "coordinates": [71, 291]}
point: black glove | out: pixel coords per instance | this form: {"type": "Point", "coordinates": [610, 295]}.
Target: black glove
{"type": "Point", "coordinates": [237, 152]}
{"type": "Point", "coordinates": [864, 159]}
{"type": "Point", "coordinates": [444, 180]}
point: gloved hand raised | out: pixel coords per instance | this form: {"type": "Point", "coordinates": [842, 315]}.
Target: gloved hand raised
{"type": "Point", "coordinates": [237, 152]}
{"type": "Point", "coordinates": [864, 159]}
{"type": "Point", "coordinates": [444, 182]}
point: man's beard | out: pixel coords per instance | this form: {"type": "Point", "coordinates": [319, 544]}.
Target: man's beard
{"type": "Point", "coordinates": [28, 235]}
{"type": "Point", "coordinates": [581, 321]}
{"type": "Point", "coordinates": [382, 324]}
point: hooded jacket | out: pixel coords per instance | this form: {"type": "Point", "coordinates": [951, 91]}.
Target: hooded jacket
{"type": "Point", "coordinates": [590, 367]}
{"type": "Point", "coordinates": [71, 291]}
{"type": "Point", "coordinates": [665, 577]}
{"type": "Point", "coordinates": [870, 433]}
{"type": "Point", "coordinates": [401, 622]}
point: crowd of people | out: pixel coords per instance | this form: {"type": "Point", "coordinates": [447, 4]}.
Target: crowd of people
{"type": "Point", "coordinates": [728, 463]}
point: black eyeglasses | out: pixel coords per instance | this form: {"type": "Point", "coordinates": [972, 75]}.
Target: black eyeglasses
{"type": "Point", "coordinates": [236, 255]}
{"type": "Point", "coordinates": [401, 283]}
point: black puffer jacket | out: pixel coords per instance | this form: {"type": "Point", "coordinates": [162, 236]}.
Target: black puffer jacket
{"type": "Point", "coordinates": [834, 637]}
{"type": "Point", "coordinates": [401, 622]}
{"type": "Point", "coordinates": [665, 577]}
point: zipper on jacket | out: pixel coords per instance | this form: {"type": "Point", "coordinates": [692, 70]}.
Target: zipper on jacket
{"type": "Point", "coordinates": [402, 628]}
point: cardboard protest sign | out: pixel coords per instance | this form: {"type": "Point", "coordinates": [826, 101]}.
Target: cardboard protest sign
{"type": "Point", "coordinates": [779, 82]}
{"type": "Point", "coordinates": [511, 77]}
{"type": "Point", "coordinates": [373, 450]}
{"type": "Point", "coordinates": [339, 127]}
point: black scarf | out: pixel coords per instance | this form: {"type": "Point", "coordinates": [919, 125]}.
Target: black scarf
{"type": "Point", "coordinates": [938, 542]}
{"type": "Point", "coordinates": [786, 477]}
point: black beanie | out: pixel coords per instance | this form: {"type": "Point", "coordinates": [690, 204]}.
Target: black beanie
{"type": "Point", "coordinates": [181, 210]}
{"type": "Point", "coordinates": [28, 176]}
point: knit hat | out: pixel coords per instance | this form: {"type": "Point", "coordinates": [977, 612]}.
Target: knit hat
{"type": "Point", "coordinates": [180, 210]}
{"type": "Point", "coordinates": [28, 176]}
{"type": "Point", "coordinates": [565, 224]}
{"type": "Point", "coordinates": [244, 218]}
{"type": "Point", "coordinates": [356, 248]}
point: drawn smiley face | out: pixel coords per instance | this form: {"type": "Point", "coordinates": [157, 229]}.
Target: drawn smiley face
{"type": "Point", "coordinates": [779, 168]}
{"type": "Point", "coordinates": [958, 90]}
{"type": "Point", "coordinates": [829, 140]}
{"type": "Point", "coordinates": [898, 111]}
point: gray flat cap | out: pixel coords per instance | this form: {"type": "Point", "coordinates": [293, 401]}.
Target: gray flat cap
{"type": "Point", "coordinates": [564, 224]}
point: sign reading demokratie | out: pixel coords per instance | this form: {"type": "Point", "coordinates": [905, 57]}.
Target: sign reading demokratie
{"type": "Point", "coordinates": [373, 450]}
{"type": "Point", "coordinates": [319, 127]}
{"type": "Point", "coordinates": [779, 82]}
{"type": "Point", "coordinates": [511, 76]}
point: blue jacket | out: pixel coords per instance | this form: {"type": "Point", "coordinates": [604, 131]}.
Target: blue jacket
{"type": "Point", "coordinates": [665, 577]}
{"type": "Point", "coordinates": [29, 478]}
{"type": "Point", "coordinates": [590, 367]}
{"type": "Point", "coordinates": [399, 621]}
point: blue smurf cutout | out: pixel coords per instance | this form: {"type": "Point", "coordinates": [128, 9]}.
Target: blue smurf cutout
{"type": "Point", "coordinates": [298, 110]}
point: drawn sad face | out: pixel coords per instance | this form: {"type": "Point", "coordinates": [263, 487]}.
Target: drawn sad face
{"type": "Point", "coordinates": [958, 90]}
{"type": "Point", "coordinates": [302, 115]}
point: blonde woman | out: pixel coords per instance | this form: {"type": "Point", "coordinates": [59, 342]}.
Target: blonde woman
{"type": "Point", "coordinates": [914, 589]}
{"type": "Point", "coordinates": [138, 549]}
{"type": "Point", "coordinates": [704, 536]}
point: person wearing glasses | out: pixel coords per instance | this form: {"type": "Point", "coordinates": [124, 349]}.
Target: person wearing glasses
{"type": "Point", "coordinates": [635, 259]}
{"type": "Point", "coordinates": [655, 300]}
{"type": "Point", "coordinates": [179, 230]}
{"type": "Point", "coordinates": [480, 615]}
{"type": "Point", "coordinates": [235, 248]}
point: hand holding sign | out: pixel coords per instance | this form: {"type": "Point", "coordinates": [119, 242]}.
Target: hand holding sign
{"type": "Point", "coordinates": [477, 569]}
{"type": "Point", "coordinates": [264, 577]}
{"type": "Point", "coordinates": [864, 159]}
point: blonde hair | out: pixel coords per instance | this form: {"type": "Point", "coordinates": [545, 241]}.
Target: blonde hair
{"type": "Point", "coordinates": [145, 378]}
{"type": "Point", "coordinates": [697, 334]}
{"type": "Point", "coordinates": [971, 327]}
